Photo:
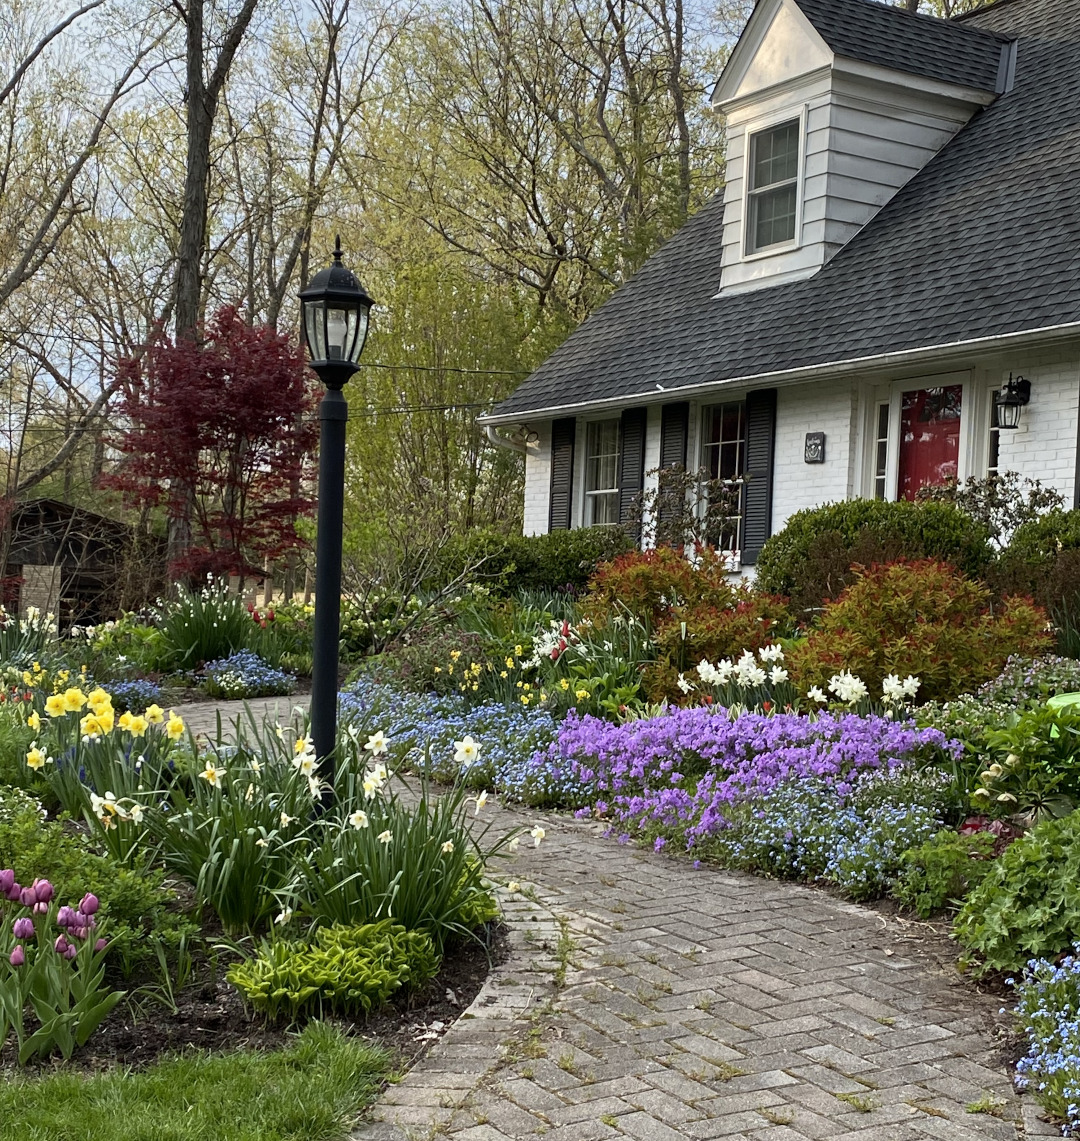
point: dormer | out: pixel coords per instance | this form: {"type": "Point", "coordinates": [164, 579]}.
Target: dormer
{"type": "Point", "coordinates": [831, 106]}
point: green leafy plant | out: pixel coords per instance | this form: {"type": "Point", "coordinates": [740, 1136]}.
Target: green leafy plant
{"type": "Point", "coordinates": [1034, 766]}
{"type": "Point", "coordinates": [27, 639]}
{"type": "Point", "coordinates": [201, 625]}
{"type": "Point", "coordinates": [344, 970]}
{"type": "Point", "coordinates": [921, 618]}
{"type": "Point", "coordinates": [1028, 903]}
{"type": "Point", "coordinates": [943, 870]}
{"type": "Point", "coordinates": [809, 559]}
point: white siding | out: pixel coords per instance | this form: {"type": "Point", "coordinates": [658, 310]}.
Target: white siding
{"type": "Point", "coordinates": [817, 406]}
{"type": "Point", "coordinates": [535, 515]}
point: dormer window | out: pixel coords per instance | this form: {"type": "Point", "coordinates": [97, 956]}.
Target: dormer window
{"type": "Point", "coordinates": [772, 187]}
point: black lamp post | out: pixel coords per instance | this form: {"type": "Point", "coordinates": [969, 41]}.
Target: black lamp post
{"type": "Point", "coordinates": [335, 308]}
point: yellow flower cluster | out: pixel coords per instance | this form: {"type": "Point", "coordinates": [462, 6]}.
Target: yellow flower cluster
{"type": "Point", "coordinates": [100, 718]}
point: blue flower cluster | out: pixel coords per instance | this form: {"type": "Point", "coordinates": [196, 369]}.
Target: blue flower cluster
{"type": "Point", "coordinates": [134, 695]}
{"type": "Point", "coordinates": [1048, 1006]}
{"type": "Point", "coordinates": [423, 728]}
{"type": "Point", "coordinates": [803, 830]}
{"type": "Point", "coordinates": [244, 674]}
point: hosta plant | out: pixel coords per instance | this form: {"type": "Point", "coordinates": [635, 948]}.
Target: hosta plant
{"type": "Point", "coordinates": [346, 970]}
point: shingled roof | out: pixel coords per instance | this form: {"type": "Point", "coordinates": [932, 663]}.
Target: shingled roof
{"type": "Point", "coordinates": [921, 45]}
{"type": "Point", "coordinates": [984, 240]}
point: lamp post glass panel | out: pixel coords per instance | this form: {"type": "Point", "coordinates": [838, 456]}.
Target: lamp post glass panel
{"type": "Point", "coordinates": [336, 308]}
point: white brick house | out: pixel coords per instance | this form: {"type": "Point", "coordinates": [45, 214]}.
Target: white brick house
{"type": "Point", "coordinates": [899, 235]}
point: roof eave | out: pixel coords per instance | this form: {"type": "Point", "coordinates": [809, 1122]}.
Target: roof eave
{"type": "Point", "coordinates": [1043, 336]}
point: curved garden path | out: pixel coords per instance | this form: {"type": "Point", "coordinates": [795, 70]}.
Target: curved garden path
{"type": "Point", "coordinates": [648, 999]}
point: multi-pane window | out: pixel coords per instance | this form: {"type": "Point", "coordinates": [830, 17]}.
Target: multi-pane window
{"type": "Point", "coordinates": [602, 473]}
{"type": "Point", "coordinates": [772, 191]}
{"type": "Point", "coordinates": [724, 455]}
{"type": "Point", "coordinates": [881, 452]}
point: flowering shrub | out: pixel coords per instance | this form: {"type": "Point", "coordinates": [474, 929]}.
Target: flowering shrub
{"type": "Point", "coordinates": [750, 620]}
{"type": "Point", "coordinates": [919, 618]}
{"type": "Point", "coordinates": [1028, 904]}
{"type": "Point", "coordinates": [1048, 1008]}
{"type": "Point", "coordinates": [244, 674]}
{"type": "Point", "coordinates": [136, 694]}
{"type": "Point", "coordinates": [346, 970]}
{"type": "Point", "coordinates": [683, 771]}
{"type": "Point", "coordinates": [52, 960]}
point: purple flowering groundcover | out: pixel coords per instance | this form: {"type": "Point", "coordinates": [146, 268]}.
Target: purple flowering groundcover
{"type": "Point", "coordinates": [686, 768]}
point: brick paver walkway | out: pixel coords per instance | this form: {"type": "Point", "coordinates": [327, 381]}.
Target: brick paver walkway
{"type": "Point", "coordinates": [648, 999]}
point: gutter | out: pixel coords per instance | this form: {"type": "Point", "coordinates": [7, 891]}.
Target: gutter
{"type": "Point", "coordinates": [880, 362]}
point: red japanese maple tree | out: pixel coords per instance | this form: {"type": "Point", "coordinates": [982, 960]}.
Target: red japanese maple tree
{"type": "Point", "coordinates": [220, 433]}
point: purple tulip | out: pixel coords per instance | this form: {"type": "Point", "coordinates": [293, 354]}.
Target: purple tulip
{"type": "Point", "coordinates": [61, 945]}
{"type": "Point", "coordinates": [101, 944]}
{"type": "Point", "coordinates": [7, 879]}
{"type": "Point", "coordinates": [23, 928]}
{"type": "Point", "coordinates": [44, 890]}
{"type": "Point", "coordinates": [17, 957]}
{"type": "Point", "coordinates": [65, 917]}
{"type": "Point", "coordinates": [71, 952]}
{"type": "Point", "coordinates": [14, 893]}
{"type": "Point", "coordinates": [81, 919]}
{"type": "Point", "coordinates": [41, 908]}
{"type": "Point", "coordinates": [89, 904]}
{"type": "Point", "coordinates": [28, 897]}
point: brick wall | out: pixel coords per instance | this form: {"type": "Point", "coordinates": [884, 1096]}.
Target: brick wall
{"type": "Point", "coordinates": [537, 481]}
{"type": "Point", "coordinates": [817, 406]}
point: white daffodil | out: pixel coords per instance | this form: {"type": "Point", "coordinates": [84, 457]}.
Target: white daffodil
{"type": "Point", "coordinates": [448, 847]}
{"type": "Point", "coordinates": [283, 916]}
{"type": "Point", "coordinates": [537, 834]}
{"type": "Point", "coordinates": [778, 674]}
{"type": "Point", "coordinates": [774, 652]}
{"type": "Point", "coordinates": [816, 693]}
{"type": "Point", "coordinates": [513, 845]}
{"type": "Point", "coordinates": [261, 842]}
{"type": "Point", "coordinates": [683, 684]}
{"type": "Point", "coordinates": [377, 743]}
{"type": "Point", "coordinates": [466, 751]}
{"type": "Point", "coordinates": [385, 837]}
{"type": "Point", "coordinates": [481, 800]}
{"type": "Point", "coordinates": [513, 885]}
{"type": "Point", "coordinates": [286, 820]}
{"type": "Point", "coordinates": [358, 819]}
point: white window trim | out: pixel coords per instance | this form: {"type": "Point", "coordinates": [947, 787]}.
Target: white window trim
{"type": "Point", "coordinates": [752, 128]}
{"type": "Point", "coordinates": [581, 466]}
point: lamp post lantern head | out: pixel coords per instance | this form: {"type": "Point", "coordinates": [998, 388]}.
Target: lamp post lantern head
{"type": "Point", "coordinates": [1010, 400]}
{"type": "Point", "coordinates": [336, 308]}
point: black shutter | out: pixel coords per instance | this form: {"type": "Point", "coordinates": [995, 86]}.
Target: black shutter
{"type": "Point", "coordinates": [631, 459]}
{"type": "Point", "coordinates": [561, 496]}
{"type": "Point", "coordinates": [674, 423]}
{"type": "Point", "coordinates": [757, 494]}
{"type": "Point", "coordinates": [674, 426]}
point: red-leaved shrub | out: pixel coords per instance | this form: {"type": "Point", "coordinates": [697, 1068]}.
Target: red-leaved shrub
{"type": "Point", "coordinates": [922, 618]}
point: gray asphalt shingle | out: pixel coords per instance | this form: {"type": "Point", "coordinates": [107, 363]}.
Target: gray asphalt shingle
{"type": "Point", "coordinates": [984, 240]}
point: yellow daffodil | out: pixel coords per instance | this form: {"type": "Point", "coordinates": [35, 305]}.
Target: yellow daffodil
{"type": "Point", "coordinates": [525, 699]}
{"type": "Point", "coordinates": [582, 695]}
{"type": "Point", "coordinates": [175, 726]}
{"type": "Point", "coordinates": [125, 720]}
{"type": "Point", "coordinates": [36, 759]}
{"type": "Point", "coordinates": [518, 652]}
{"type": "Point", "coordinates": [34, 721]}
{"type": "Point", "coordinates": [74, 700]}
{"type": "Point", "coordinates": [503, 674]}
{"type": "Point", "coordinates": [55, 706]}
{"type": "Point", "coordinates": [513, 885]}
{"type": "Point", "coordinates": [302, 745]}
{"type": "Point", "coordinates": [98, 697]}
{"type": "Point", "coordinates": [154, 714]}
{"type": "Point", "coordinates": [509, 663]}
{"type": "Point", "coordinates": [138, 726]}
{"type": "Point", "coordinates": [28, 679]}
{"type": "Point", "coordinates": [454, 655]}
{"type": "Point", "coordinates": [89, 726]}
{"type": "Point", "coordinates": [564, 685]}
{"type": "Point", "coordinates": [105, 718]}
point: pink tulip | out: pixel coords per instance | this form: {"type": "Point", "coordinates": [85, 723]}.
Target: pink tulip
{"type": "Point", "coordinates": [23, 928]}
{"type": "Point", "coordinates": [28, 897]}
{"type": "Point", "coordinates": [89, 904]}
{"type": "Point", "coordinates": [40, 908]}
{"type": "Point", "coordinates": [7, 879]}
{"type": "Point", "coordinates": [44, 890]}
{"type": "Point", "coordinates": [71, 952]}
{"type": "Point", "coordinates": [17, 957]}
{"type": "Point", "coordinates": [61, 945]}
{"type": "Point", "coordinates": [101, 944]}
{"type": "Point", "coordinates": [65, 917]}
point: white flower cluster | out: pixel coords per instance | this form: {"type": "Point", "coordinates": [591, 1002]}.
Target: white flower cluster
{"type": "Point", "coordinates": [746, 672]}
{"type": "Point", "coordinates": [895, 691]}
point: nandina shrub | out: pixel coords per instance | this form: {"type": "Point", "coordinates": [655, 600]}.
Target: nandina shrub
{"type": "Point", "coordinates": [651, 584]}
{"type": "Point", "coordinates": [921, 618]}
{"type": "Point", "coordinates": [692, 633]}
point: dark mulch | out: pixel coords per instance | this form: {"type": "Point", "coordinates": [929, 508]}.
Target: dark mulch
{"type": "Point", "coordinates": [209, 1015]}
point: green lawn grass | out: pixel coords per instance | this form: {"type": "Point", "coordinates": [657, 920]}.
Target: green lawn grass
{"type": "Point", "coordinates": [311, 1091]}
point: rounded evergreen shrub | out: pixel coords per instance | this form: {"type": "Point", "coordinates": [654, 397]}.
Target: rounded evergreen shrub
{"type": "Point", "coordinates": [922, 618]}
{"type": "Point", "coordinates": [560, 560]}
{"type": "Point", "coordinates": [810, 558]}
